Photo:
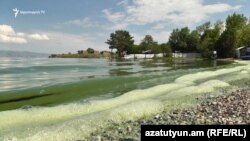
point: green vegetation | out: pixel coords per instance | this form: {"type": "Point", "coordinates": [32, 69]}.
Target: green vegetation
{"type": "Point", "coordinates": [89, 53]}
{"type": "Point", "coordinates": [120, 40]}
{"type": "Point", "coordinates": [90, 50]}
{"type": "Point", "coordinates": [230, 39]}
{"type": "Point", "coordinates": [205, 39]}
{"type": "Point", "coordinates": [209, 37]}
{"type": "Point", "coordinates": [124, 43]}
{"type": "Point", "coordinates": [148, 43]}
{"type": "Point", "coordinates": [183, 40]}
{"type": "Point", "coordinates": [166, 49]}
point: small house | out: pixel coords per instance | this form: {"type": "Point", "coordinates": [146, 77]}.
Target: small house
{"type": "Point", "coordinates": [243, 52]}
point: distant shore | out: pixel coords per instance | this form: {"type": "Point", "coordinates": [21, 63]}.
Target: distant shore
{"type": "Point", "coordinates": [90, 53]}
{"type": "Point", "coordinates": [228, 108]}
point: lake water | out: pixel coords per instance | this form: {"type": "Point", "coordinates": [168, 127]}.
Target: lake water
{"type": "Point", "coordinates": [43, 81]}
{"type": "Point", "coordinates": [66, 99]}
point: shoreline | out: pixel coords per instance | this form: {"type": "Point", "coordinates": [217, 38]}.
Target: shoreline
{"type": "Point", "coordinates": [225, 109]}
{"type": "Point", "coordinates": [120, 118]}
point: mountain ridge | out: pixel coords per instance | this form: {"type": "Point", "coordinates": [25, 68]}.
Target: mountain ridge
{"type": "Point", "coordinates": [9, 53]}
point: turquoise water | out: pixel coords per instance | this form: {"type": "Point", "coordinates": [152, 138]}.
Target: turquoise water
{"type": "Point", "coordinates": [29, 82]}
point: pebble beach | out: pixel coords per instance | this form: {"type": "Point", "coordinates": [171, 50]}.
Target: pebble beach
{"type": "Point", "coordinates": [226, 109]}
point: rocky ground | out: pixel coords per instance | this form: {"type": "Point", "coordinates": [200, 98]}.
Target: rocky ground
{"type": "Point", "coordinates": [225, 109]}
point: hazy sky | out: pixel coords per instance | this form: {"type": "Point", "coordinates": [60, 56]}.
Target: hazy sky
{"type": "Point", "coordinates": [58, 26]}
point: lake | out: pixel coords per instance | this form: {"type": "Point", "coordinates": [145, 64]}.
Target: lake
{"type": "Point", "coordinates": [43, 81]}
{"type": "Point", "coordinates": [67, 99]}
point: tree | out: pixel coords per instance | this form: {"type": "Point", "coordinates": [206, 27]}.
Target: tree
{"type": "Point", "coordinates": [120, 40]}
{"type": "Point", "coordinates": [236, 22]}
{"type": "Point", "coordinates": [193, 41]}
{"type": "Point", "coordinates": [166, 49]}
{"type": "Point", "coordinates": [245, 36]}
{"type": "Point", "coordinates": [231, 37]}
{"type": "Point", "coordinates": [209, 39]}
{"type": "Point", "coordinates": [184, 41]}
{"type": "Point", "coordinates": [177, 39]}
{"type": "Point", "coordinates": [148, 39]}
{"type": "Point", "coordinates": [148, 43]}
{"type": "Point", "coordinates": [204, 27]}
{"type": "Point", "coordinates": [219, 27]}
{"type": "Point", "coordinates": [90, 50]}
{"type": "Point", "coordinates": [174, 39]}
{"type": "Point", "coordinates": [226, 44]}
{"type": "Point", "coordinates": [135, 49]}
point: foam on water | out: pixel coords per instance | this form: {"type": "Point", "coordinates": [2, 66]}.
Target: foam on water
{"type": "Point", "coordinates": [76, 120]}
{"type": "Point", "coordinates": [81, 126]}
{"type": "Point", "coordinates": [206, 87]}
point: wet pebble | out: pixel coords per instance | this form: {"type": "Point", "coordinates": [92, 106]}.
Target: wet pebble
{"type": "Point", "coordinates": [225, 109]}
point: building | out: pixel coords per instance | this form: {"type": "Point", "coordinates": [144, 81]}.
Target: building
{"type": "Point", "coordinates": [243, 52]}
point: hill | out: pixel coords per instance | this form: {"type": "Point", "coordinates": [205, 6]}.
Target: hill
{"type": "Point", "coordinates": [4, 53]}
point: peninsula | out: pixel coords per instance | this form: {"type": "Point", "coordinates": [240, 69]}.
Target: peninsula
{"type": "Point", "coordinates": [89, 53]}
